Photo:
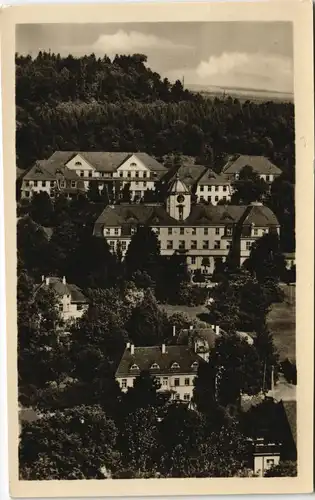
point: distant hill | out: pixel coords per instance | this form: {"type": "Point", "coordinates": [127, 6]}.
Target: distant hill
{"type": "Point", "coordinates": [242, 94]}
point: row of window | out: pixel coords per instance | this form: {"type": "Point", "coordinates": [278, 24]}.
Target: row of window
{"type": "Point", "coordinates": [40, 183]}
{"type": "Point", "coordinates": [174, 365]}
{"type": "Point", "coordinates": [135, 174]}
{"type": "Point", "coordinates": [182, 230]}
{"type": "Point", "coordinates": [182, 245]}
{"type": "Point", "coordinates": [112, 245]}
{"type": "Point", "coordinates": [216, 188]}
{"type": "Point", "coordinates": [209, 198]}
{"type": "Point", "coordinates": [49, 183]}
{"type": "Point", "coordinates": [66, 309]}
{"type": "Point", "coordinates": [162, 381]}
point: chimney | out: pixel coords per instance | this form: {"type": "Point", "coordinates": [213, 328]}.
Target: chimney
{"type": "Point", "coordinates": [132, 349]}
{"type": "Point", "coordinates": [128, 345]}
{"type": "Point", "coordinates": [163, 349]}
{"type": "Point", "coordinates": [63, 280]}
{"type": "Point", "coordinates": [213, 327]}
{"type": "Point", "coordinates": [43, 278]}
{"type": "Point", "coordinates": [217, 330]}
{"type": "Point", "coordinates": [47, 281]}
{"type": "Point", "coordinates": [174, 330]}
{"type": "Point", "coordinates": [191, 327]}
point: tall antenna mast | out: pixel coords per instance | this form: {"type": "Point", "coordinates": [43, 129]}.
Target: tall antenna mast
{"type": "Point", "coordinates": [183, 81]}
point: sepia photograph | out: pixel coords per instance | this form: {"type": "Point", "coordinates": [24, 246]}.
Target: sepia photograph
{"type": "Point", "coordinates": [156, 230]}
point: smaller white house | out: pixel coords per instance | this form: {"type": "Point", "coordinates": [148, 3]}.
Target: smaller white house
{"type": "Point", "coordinates": [71, 301]}
{"type": "Point", "coordinates": [261, 165]}
{"type": "Point", "coordinates": [265, 456]}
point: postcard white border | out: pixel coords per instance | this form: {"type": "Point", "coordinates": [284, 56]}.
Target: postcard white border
{"type": "Point", "coordinates": [300, 14]}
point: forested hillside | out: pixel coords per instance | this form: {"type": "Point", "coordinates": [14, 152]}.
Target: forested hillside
{"type": "Point", "coordinates": [97, 104]}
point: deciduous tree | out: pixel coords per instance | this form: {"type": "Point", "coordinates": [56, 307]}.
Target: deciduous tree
{"type": "Point", "coordinates": [76, 443]}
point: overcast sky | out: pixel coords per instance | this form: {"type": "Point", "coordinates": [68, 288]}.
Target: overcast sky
{"type": "Point", "coordinates": [256, 55]}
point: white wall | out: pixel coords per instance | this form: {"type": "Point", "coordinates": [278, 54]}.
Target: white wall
{"type": "Point", "coordinates": [168, 385]}
{"type": "Point", "coordinates": [70, 310]}
{"type": "Point", "coordinates": [36, 187]}
{"type": "Point", "coordinates": [213, 193]}
{"type": "Point", "coordinates": [264, 462]}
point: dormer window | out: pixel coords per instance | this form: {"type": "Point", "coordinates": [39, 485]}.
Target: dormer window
{"type": "Point", "coordinates": [194, 365]}
{"type": "Point", "coordinates": [175, 365]}
{"type": "Point", "coordinates": [134, 367]}
{"type": "Point", "coordinates": [155, 366]}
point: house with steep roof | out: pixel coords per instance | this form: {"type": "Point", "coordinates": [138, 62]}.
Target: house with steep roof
{"type": "Point", "coordinates": [260, 165]}
{"type": "Point", "coordinates": [72, 172]}
{"type": "Point", "coordinates": [173, 366]}
{"type": "Point", "coordinates": [193, 230]}
{"type": "Point", "coordinates": [72, 303]}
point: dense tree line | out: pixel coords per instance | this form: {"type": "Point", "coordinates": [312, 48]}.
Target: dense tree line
{"type": "Point", "coordinates": [89, 103]}
{"type": "Point", "coordinates": [56, 238]}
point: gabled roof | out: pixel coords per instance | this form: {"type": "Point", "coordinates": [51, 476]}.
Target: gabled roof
{"type": "Point", "coordinates": [104, 161]}
{"type": "Point", "coordinates": [207, 334]}
{"type": "Point", "coordinates": [62, 289]}
{"type": "Point", "coordinates": [20, 172]}
{"type": "Point", "coordinates": [215, 215]}
{"type": "Point", "coordinates": [210, 178]}
{"type": "Point", "coordinates": [200, 215]}
{"type": "Point", "coordinates": [144, 357]}
{"type": "Point", "coordinates": [117, 215]}
{"type": "Point", "coordinates": [260, 215]}
{"type": "Point", "coordinates": [50, 170]}
{"type": "Point", "coordinates": [259, 164]}
{"type": "Point", "coordinates": [189, 174]}
{"type": "Point", "coordinates": [290, 412]}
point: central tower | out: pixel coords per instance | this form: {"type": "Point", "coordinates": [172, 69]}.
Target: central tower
{"type": "Point", "coordinates": [178, 203]}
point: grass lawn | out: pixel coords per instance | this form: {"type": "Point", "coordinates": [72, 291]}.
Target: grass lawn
{"type": "Point", "coordinates": [281, 322]}
{"type": "Point", "coordinates": [196, 313]}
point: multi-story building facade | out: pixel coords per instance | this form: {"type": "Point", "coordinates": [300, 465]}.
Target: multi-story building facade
{"type": "Point", "coordinates": [173, 366]}
{"type": "Point", "coordinates": [213, 188]}
{"type": "Point", "coordinates": [72, 303]}
{"type": "Point", "coordinates": [195, 230]}
{"type": "Point", "coordinates": [72, 172]}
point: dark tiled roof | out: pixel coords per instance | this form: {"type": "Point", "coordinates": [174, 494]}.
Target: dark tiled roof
{"type": "Point", "coordinates": [39, 172]}
{"type": "Point", "coordinates": [107, 161]}
{"type": "Point", "coordinates": [210, 178]}
{"type": "Point", "coordinates": [61, 289]}
{"type": "Point", "coordinates": [290, 412]}
{"type": "Point", "coordinates": [266, 449]}
{"type": "Point", "coordinates": [201, 215]}
{"type": "Point", "coordinates": [118, 215]}
{"type": "Point", "coordinates": [215, 215]}
{"type": "Point", "coordinates": [259, 164]}
{"type": "Point", "coordinates": [189, 174]}
{"type": "Point", "coordinates": [261, 216]}
{"type": "Point", "coordinates": [144, 357]}
{"type": "Point", "coordinates": [207, 334]}
{"type": "Point", "coordinates": [20, 172]}
{"type": "Point", "coordinates": [50, 170]}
